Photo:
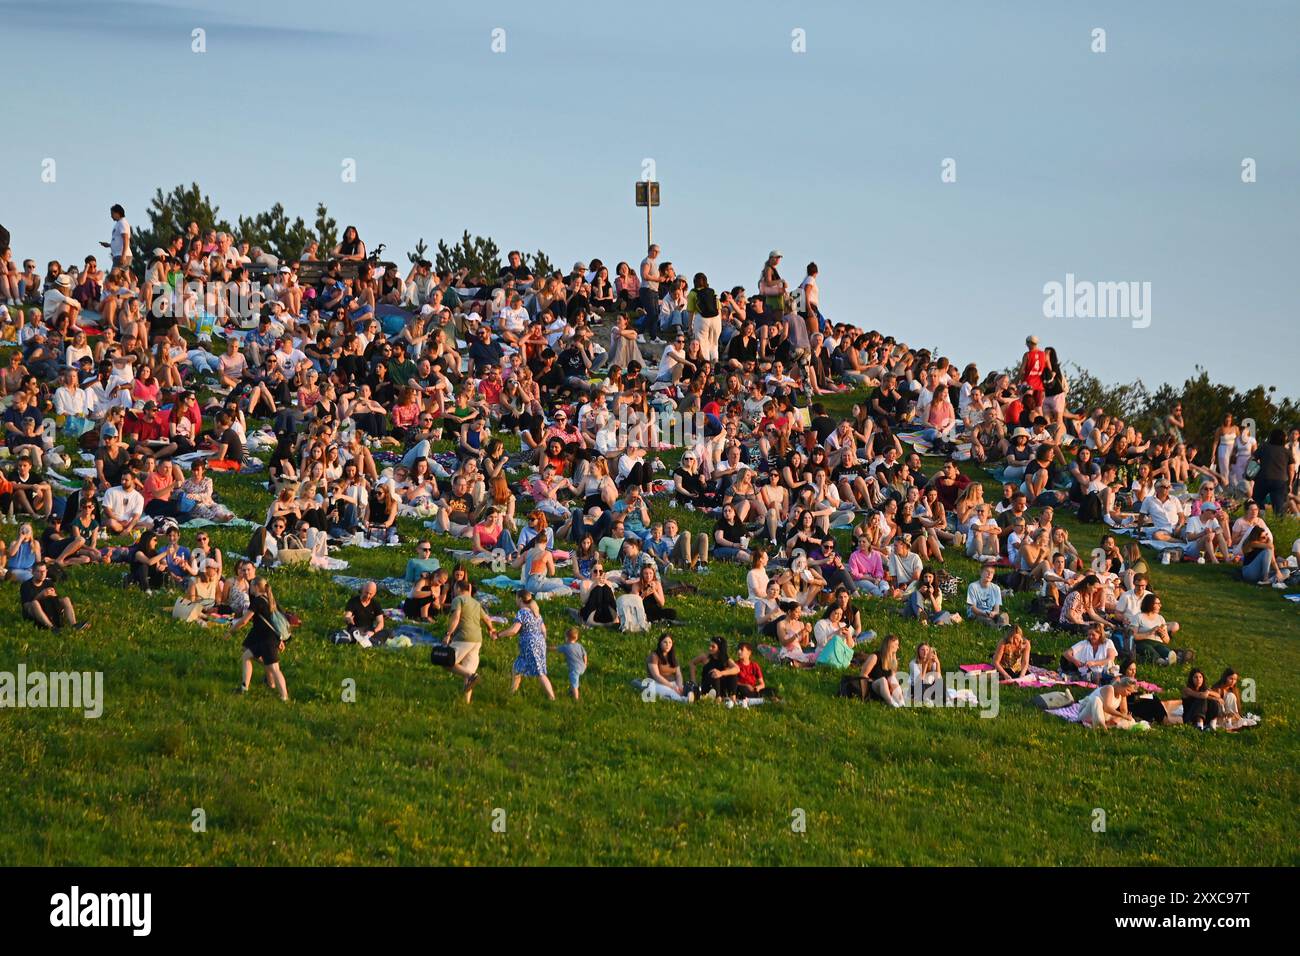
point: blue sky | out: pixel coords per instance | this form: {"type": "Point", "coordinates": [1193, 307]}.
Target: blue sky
{"type": "Point", "coordinates": [1124, 165]}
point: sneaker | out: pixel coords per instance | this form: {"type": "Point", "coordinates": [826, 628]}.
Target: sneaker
{"type": "Point", "coordinates": [730, 703]}
{"type": "Point", "coordinates": [1279, 585]}
{"type": "Point", "coordinates": [690, 697]}
{"type": "Point", "coordinates": [81, 625]}
{"type": "Point", "coordinates": [241, 689]}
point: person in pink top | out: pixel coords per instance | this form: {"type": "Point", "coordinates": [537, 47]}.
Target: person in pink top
{"type": "Point", "coordinates": [867, 569]}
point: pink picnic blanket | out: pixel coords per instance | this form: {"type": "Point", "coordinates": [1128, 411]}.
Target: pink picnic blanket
{"type": "Point", "coordinates": [1039, 677]}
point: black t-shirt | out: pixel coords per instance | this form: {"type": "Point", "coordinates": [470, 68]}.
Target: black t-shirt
{"type": "Point", "coordinates": [352, 367]}
{"type": "Point", "coordinates": [114, 465]}
{"type": "Point", "coordinates": [364, 616]}
{"type": "Point", "coordinates": [731, 531]}
{"type": "Point", "coordinates": [742, 351]}
{"type": "Point", "coordinates": [29, 590]}
{"type": "Point", "coordinates": [1274, 461]}
{"type": "Point", "coordinates": [824, 426]}
{"type": "Point", "coordinates": [459, 507]}
{"type": "Point", "coordinates": [1032, 471]}
{"type": "Point", "coordinates": [234, 447]}
{"type": "Point", "coordinates": [571, 361]}
{"type": "Point", "coordinates": [689, 485]}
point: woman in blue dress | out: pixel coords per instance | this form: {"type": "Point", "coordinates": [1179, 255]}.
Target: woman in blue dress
{"type": "Point", "coordinates": [531, 629]}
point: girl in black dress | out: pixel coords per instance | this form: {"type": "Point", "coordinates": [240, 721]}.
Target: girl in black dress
{"type": "Point", "coordinates": [263, 642]}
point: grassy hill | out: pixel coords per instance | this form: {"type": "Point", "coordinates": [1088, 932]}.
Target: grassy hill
{"type": "Point", "coordinates": [408, 774]}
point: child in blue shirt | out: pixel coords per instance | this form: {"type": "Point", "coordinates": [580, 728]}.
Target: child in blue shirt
{"type": "Point", "coordinates": [576, 656]}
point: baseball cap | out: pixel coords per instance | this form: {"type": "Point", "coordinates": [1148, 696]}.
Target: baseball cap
{"type": "Point", "coordinates": [776, 254]}
{"type": "Point", "coordinates": [109, 431]}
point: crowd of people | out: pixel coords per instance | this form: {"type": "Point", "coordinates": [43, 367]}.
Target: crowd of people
{"type": "Point", "coordinates": [536, 418]}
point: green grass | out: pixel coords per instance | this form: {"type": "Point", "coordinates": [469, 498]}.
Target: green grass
{"type": "Point", "coordinates": [407, 774]}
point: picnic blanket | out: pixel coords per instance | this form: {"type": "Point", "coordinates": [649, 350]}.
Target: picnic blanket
{"type": "Point", "coordinates": [1073, 713]}
{"type": "Point", "coordinates": [1039, 677]}
{"type": "Point", "coordinates": [232, 523]}
{"type": "Point", "coordinates": [399, 586]}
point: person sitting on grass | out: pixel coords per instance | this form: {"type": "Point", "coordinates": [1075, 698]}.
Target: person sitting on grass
{"type": "Point", "coordinates": [1107, 706]}
{"type": "Point", "coordinates": [880, 668]}
{"type": "Point", "coordinates": [926, 602]}
{"type": "Point", "coordinates": [718, 674]}
{"type": "Point", "coordinates": [794, 639]}
{"type": "Point", "coordinates": [1093, 658]}
{"type": "Point", "coordinates": [984, 600]}
{"type": "Point", "coordinates": [1011, 656]}
{"type": "Point", "coordinates": [1083, 605]}
{"type": "Point", "coordinates": [1152, 634]}
{"type": "Point", "coordinates": [123, 507]}
{"type": "Point", "coordinates": [263, 643]}
{"type": "Point", "coordinates": [663, 675]}
{"type": "Point", "coordinates": [599, 605]}
{"type": "Point", "coordinates": [363, 613]}
{"type": "Point", "coordinates": [148, 571]}
{"type": "Point", "coordinates": [925, 675]}
{"type": "Point", "coordinates": [1202, 704]}
{"type": "Point", "coordinates": [41, 602]}
{"type": "Point", "coordinates": [903, 568]}
{"type": "Point", "coordinates": [751, 687]}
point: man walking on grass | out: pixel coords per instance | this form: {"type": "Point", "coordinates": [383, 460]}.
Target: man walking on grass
{"type": "Point", "coordinates": [465, 621]}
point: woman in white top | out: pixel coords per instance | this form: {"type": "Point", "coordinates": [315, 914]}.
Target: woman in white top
{"type": "Point", "coordinates": [1107, 706]}
{"type": "Point", "coordinates": [1225, 439]}
{"type": "Point", "coordinates": [925, 674]}
{"type": "Point", "coordinates": [1244, 448]}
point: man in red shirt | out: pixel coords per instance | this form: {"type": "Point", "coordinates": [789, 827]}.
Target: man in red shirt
{"type": "Point", "coordinates": [1032, 366]}
{"type": "Point", "coordinates": [148, 425]}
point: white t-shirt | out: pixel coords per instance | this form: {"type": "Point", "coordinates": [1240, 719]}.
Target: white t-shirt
{"type": "Point", "coordinates": [121, 242]}
{"type": "Point", "coordinates": [1090, 656]}
{"type": "Point", "coordinates": [654, 267]}
{"type": "Point", "coordinates": [672, 356]}
{"type": "Point", "coordinates": [1165, 516]}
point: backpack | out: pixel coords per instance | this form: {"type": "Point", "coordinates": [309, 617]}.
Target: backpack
{"type": "Point", "coordinates": [1053, 700]}
{"type": "Point", "coordinates": [706, 302]}
{"type": "Point", "coordinates": [631, 614]}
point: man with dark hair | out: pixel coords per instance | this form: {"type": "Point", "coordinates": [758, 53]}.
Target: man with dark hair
{"type": "Point", "coordinates": [120, 243]}
{"type": "Point", "coordinates": [466, 620]}
{"type": "Point", "coordinates": [41, 602]}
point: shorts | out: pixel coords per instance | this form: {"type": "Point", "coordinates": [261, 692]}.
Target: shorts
{"type": "Point", "coordinates": [575, 677]}
{"type": "Point", "coordinates": [467, 654]}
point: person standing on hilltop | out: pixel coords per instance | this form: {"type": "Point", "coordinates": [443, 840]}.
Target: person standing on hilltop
{"type": "Point", "coordinates": [1032, 366]}
{"type": "Point", "coordinates": [120, 243]}
{"type": "Point", "coordinates": [648, 296]}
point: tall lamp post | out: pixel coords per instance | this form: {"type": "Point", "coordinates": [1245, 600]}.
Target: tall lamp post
{"type": "Point", "coordinates": [647, 194]}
